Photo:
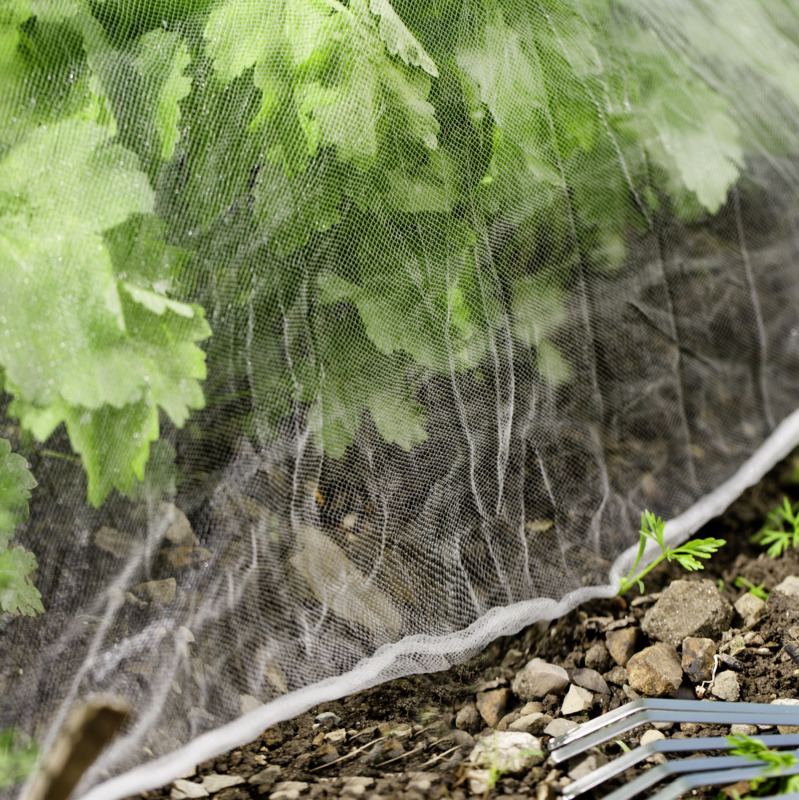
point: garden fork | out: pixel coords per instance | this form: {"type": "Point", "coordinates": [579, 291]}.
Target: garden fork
{"type": "Point", "coordinates": [689, 773]}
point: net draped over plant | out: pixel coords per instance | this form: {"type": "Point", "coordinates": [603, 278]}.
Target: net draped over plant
{"type": "Point", "coordinates": [342, 337]}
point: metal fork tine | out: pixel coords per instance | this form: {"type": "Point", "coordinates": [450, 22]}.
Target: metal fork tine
{"type": "Point", "coordinates": [660, 704]}
{"type": "Point", "coordinates": [686, 783]}
{"type": "Point", "coordinates": [729, 714]}
{"type": "Point", "coordinates": [638, 754]}
{"type": "Point", "coordinates": [701, 766]}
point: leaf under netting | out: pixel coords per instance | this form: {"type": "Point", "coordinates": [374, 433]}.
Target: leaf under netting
{"type": "Point", "coordinates": [343, 336]}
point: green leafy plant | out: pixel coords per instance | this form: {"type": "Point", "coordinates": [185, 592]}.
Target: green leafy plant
{"type": "Point", "coordinates": [380, 185]}
{"type": "Point", "coordinates": [781, 530]}
{"type": "Point", "coordinates": [758, 591]}
{"type": "Point", "coordinates": [685, 555]}
{"type": "Point", "coordinates": [18, 756]}
{"type": "Point", "coordinates": [17, 592]}
{"type": "Point", "coordinates": [769, 782]}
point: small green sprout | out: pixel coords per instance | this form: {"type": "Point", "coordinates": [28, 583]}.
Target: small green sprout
{"type": "Point", "coordinates": [496, 769]}
{"type": "Point", "coordinates": [781, 530]}
{"type": "Point", "coordinates": [770, 781]}
{"type": "Point", "coordinates": [758, 591]}
{"type": "Point", "coordinates": [686, 554]}
{"type": "Point", "coordinates": [18, 755]}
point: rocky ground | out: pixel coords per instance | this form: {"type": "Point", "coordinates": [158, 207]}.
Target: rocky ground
{"type": "Point", "coordinates": [482, 728]}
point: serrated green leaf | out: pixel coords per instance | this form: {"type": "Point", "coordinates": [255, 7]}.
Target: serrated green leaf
{"type": "Point", "coordinates": [16, 482]}
{"type": "Point", "coordinates": [162, 61]}
{"type": "Point", "coordinates": [17, 592]}
{"type": "Point", "coordinates": [114, 445]}
{"type": "Point", "coordinates": [512, 84]}
{"type": "Point", "coordinates": [140, 255]}
{"type": "Point", "coordinates": [696, 132]}
{"type": "Point", "coordinates": [239, 33]}
{"type": "Point", "coordinates": [43, 68]}
{"type": "Point", "coordinates": [62, 317]}
{"type": "Point", "coordinates": [554, 368]}
{"type": "Point", "coordinates": [290, 208]}
{"type": "Point", "coordinates": [344, 386]}
{"type": "Point", "coordinates": [164, 352]}
{"type": "Point", "coordinates": [71, 173]}
{"type": "Point", "coordinates": [418, 293]}
{"type": "Point", "coordinates": [159, 303]}
{"type": "Point", "coordinates": [18, 595]}
{"type": "Point", "coordinates": [325, 76]}
{"type": "Point", "coordinates": [399, 40]}
{"type": "Point", "coordinates": [80, 345]}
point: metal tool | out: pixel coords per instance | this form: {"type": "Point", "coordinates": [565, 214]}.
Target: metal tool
{"type": "Point", "coordinates": [688, 773]}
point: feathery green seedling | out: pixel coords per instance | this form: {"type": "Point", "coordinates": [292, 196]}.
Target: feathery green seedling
{"type": "Point", "coordinates": [758, 591]}
{"type": "Point", "coordinates": [686, 554]}
{"type": "Point", "coordinates": [769, 782]}
{"type": "Point", "coordinates": [781, 530]}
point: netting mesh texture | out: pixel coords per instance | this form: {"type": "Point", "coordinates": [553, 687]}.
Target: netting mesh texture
{"type": "Point", "coordinates": [343, 336]}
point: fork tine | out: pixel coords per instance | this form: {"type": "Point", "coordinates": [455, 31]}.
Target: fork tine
{"type": "Point", "coordinates": [703, 766]}
{"type": "Point", "coordinates": [729, 714]}
{"type": "Point", "coordinates": [685, 783]}
{"type": "Point", "coordinates": [660, 704]}
{"type": "Point", "coordinates": [638, 754]}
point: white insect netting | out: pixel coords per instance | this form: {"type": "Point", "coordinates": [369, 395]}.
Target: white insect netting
{"type": "Point", "coordinates": [342, 337]}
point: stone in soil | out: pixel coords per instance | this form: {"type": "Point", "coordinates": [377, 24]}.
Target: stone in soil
{"type": "Point", "coordinates": [789, 586]}
{"type": "Point", "coordinates": [653, 736]}
{"type": "Point", "coordinates": [531, 723]}
{"type": "Point", "coordinates": [537, 679]}
{"type": "Point", "coordinates": [590, 679]}
{"type": "Point", "coordinates": [590, 762]}
{"type": "Point", "coordinates": [468, 718]}
{"type": "Point", "coordinates": [726, 686]}
{"type": "Point", "coordinates": [288, 790]}
{"type": "Point", "coordinates": [655, 671]}
{"type": "Point", "coordinates": [576, 701]}
{"type": "Point", "coordinates": [688, 608]}
{"type": "Point", "coordinates": [616, 675]}
{"type": "Point", "coordinates": [597, 657]}
{"type": "Point", "coordinates": [184, 790]}
{"type": "Point", "coordinates": [265, 777]}
{"type": "Point", "coordinates": [157, 591]}
{"type": "Point", "coordinates": [621, 644]}
{"type": "Point", "coordinates": [356, 785]}
{"type": "Point", "coordinates": [513, 752]}
{"type": "Point", "coordinates": [492, 705]}
{"type": "Point", "coordinates": [697, 658]}
{"type": "Point", "coordinates": [215, 783]}
{"type": "Point", "coordinates": [750, 608]}
{"type": "Point", "coordinates": [786, 701]}
{"type": "Point", "coordinates": [559, 726]}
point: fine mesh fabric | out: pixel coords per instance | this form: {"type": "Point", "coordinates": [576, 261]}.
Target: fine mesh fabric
{"type": "Point", "coordinates": [481, 280]}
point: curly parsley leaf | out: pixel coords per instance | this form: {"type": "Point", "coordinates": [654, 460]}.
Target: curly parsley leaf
{"type": "Point", "coordinates": [79, 340]}
{"type": "Point", "coordinates": [162, 61]}
{"type": "Point", "coordinates": [326, 76]}
{"type": "Point", "coordinates": [341, 382]}
{"type": "Point", "coordinates": [16, 482]}
{"type": "Point", "coordinates": [17, 592]}
{"type": "Point", "coordinates": [418, 292]}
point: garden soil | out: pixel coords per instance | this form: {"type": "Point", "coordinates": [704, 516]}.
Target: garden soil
{"type": "Point", "coordinates": [412, 738]}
